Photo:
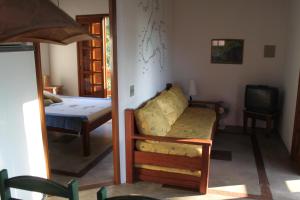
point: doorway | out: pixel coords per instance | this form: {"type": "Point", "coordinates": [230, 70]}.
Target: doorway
{"type": "Point", "coordinates": [113, 92]}
{"type": "Point", "coordinates": [94, 57]}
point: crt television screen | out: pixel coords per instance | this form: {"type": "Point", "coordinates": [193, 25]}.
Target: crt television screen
{"type": "Point", "coordinates": [261, 98]}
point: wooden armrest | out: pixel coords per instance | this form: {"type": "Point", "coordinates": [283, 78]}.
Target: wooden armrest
{"type": "Point", "coordinates": [212, 104]}
{"type": "Point", "coordinates": [174, 140]}
{"type": "Point", "coordinates": [216, 103]}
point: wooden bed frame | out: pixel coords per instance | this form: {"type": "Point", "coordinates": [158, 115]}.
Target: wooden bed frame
{"type": "Point", "coordinates": [87, 127]}
{"type": "Point", "coordinates": [134, 157]}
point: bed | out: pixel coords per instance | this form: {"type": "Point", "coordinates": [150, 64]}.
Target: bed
{"type": "Point", "coordinates": [78, 115]}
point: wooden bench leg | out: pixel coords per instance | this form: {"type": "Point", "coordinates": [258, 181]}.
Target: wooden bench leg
{"type": "Point", "coordinates": [275, 125]}
{"type": "Point", "coordinates": [269, 126]}
{"type": "Point", "coordinates": [253, 124]}
{"type": "Point", "coordinates": [129, 132]}
{"type": "Point", "coordinates": [85, 139]}
{"type": "Point", "coordinates": [205, 169]}
{"type": "Point", "coordinates": [245, 124]}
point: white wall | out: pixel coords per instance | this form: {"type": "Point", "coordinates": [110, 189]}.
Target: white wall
{"type": "Point", "coordinates": [133, 54]}
{"type": "Point", "coordinates": [291, 74]}
{"type": "Point", "coordinates": [45, 60]}
{"type": "Point", "coordinates": [21, 145]}
{"type": "Point", "coordinates": [63, 59]}
{"type": "Point", "coordinates": [258, 22]}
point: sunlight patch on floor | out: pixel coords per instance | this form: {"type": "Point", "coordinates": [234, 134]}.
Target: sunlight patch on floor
{"type": "Point", "coordinates": [232, 188]}
{"type": "Point", "coordinates": [293, 185]}
{"type": "Point", "coordinates": [223, 192]}
{"type": "Point", "coordinates": [229, 192]}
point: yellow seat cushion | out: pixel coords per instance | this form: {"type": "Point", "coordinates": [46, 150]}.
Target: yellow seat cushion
{"type": "Point", "coordinates": [177, 91]}
{"type": "Point", "coordinates": [172, 170]}
{"type": "Point", "coordinates": [150, 120]}
{"type": "Point", "coordinates": [193, 123]}
{"type": "Point", "coordinates": [169, 106]}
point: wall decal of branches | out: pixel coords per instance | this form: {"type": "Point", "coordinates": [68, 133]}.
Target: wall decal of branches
{"type": "Point", "coordinates": [152, 44]}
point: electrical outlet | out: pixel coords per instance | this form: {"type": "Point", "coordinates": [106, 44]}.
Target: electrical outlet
{"type": "Point", "coordinates": [131, 90]}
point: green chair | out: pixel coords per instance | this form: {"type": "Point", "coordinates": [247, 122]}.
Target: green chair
{"type": "Point", "coordinates": [102, 195]}
{"type": "Point", "coordinates": [36, 184]}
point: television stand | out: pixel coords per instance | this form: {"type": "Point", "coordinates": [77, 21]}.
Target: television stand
{"type": "Point", "coordinates": [268, 117]}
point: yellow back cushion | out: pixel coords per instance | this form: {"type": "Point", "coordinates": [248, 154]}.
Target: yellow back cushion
{"type": "Point", "coordinates": [150, 120]}
{"type": "Point", "coordinates": [169, 105]}
{"type": "Point", "coordinates": [180, 96]}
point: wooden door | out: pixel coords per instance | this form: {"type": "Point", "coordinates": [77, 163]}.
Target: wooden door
{"type": "Point", "coordinates": [296, 135]}
{"type": "Point", "coordinates": [91, 58]}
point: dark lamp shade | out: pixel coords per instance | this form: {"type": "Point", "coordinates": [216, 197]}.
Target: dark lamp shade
{"type": "Point", "coordinates": [38, 21]}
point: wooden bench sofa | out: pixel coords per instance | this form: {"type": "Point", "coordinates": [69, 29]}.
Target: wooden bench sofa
{"type": "Point", "coordinates": [177, 153]}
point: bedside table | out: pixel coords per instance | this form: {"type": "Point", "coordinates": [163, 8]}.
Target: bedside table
{"type": "Point", "coordinates": [54, 89]}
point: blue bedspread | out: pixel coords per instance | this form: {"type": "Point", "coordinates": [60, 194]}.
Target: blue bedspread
{"type": "Point", "coordinates": [74, 110]}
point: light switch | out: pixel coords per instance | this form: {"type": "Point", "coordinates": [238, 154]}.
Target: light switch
{"type": "Point", "coordinates": [131, 90]}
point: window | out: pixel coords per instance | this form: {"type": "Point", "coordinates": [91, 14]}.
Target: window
{"type": "Point", "coordinates": [94, 69]}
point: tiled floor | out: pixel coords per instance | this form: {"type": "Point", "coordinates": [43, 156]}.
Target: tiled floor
{"type": "Point", "coordinates": [283, 177]}
{"type": "Point", "coordinates": [236, 179]}
{"type": "Point", "coordinates": [102, 172]}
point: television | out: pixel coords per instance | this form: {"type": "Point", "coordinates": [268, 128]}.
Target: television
{"type": "Point", "coordinates": [261, 99]}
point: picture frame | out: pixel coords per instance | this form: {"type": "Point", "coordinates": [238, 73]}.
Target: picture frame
{"type": "Point", "coordinates": [227, 51]}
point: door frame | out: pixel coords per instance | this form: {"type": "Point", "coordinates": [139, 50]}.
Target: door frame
{"type": "Point", "coordinates": [39, 81]}
{"type": "Point", "coordinates": [115, 96]}
{"type": "Point", "coordinates": [296, 136]}
{"type": "Point", "coordinates": [115, 100]}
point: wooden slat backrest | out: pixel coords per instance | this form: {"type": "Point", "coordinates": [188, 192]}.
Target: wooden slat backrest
{"type": "Point", "coordinates": [36, 184]}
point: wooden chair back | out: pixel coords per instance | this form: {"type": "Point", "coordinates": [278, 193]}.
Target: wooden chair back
{"type": "Point", "coordinates": [36, 184]}
{"type": "Point", "coordinates": [102, 194]}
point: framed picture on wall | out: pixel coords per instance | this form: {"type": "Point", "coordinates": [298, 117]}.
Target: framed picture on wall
{"type": "Point", "coordinates": [227, 51]}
